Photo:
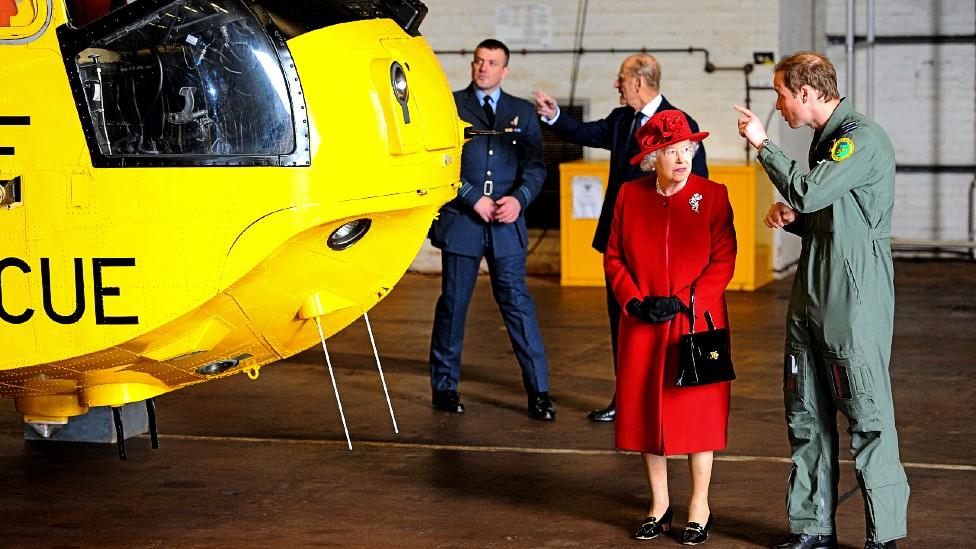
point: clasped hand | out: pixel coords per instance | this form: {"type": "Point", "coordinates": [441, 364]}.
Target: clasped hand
{"type": "Point", "coordinates": [506, 210]}
{"type": "Point", "coordinates": [655, 309]}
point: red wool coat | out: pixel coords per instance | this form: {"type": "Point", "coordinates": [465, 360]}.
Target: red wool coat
{"type": "Point", "coordinates": [658, 246]}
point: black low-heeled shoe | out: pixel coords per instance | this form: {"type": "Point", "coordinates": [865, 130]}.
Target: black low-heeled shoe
{"type": "Point", "coordinates": [652, 526]}
{"type": "Point", "coordinates": [696, 534]}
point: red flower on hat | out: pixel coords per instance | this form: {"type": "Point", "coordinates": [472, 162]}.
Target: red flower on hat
{"type": "Point", "coordinates": [670, 124]}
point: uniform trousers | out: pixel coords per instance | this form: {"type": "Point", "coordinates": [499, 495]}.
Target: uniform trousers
{"type": "Point", "coordinates": [458, 279]}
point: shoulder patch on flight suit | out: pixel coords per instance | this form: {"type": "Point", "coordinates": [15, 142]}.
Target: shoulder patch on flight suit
{"type": "Point", "coordinates": [843, 148]}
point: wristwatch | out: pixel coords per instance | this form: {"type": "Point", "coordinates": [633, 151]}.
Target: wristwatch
{"type": "Point", "coordinates": [762, 145]}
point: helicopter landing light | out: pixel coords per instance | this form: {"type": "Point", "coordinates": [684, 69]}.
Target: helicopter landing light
{"type": "Point", "coordinates": [221, 366]}
{"type": "Point", "coordinates": [217, 367]}
{"type": "Point", "coordinates": [398, 79]}
{"type": "Point", "coordinates": [348, 234]}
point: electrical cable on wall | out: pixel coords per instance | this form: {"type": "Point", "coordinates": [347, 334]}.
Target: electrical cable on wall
{"type": "Point", "coordinates": [582, 9]}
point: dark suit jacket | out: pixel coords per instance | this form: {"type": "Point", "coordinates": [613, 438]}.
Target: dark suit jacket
{"type": "Point", "coordinates": [512, 162]}
{"type": "Point", "coordinates": [613, 133]}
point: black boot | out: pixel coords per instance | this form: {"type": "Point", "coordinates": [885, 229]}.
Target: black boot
{"type": "Point", "coordinates": [447, 401]}
{"type": "Point", "coordinates": [606, 414]}
{"type": "Point", "coordinates": [808, 541]}
{"type": "Point", "coordinates": [878, 545]}
{"type": "Point", "coordinates": [540, 407]}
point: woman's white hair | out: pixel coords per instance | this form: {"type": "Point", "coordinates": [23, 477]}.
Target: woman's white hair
{"type": "Point", "coordinates": [647, 163]}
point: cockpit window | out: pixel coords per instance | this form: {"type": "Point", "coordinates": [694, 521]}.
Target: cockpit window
{"type": "Point", "coordinates": [198, 78]}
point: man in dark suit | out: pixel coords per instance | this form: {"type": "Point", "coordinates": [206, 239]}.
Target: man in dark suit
{"type": "Point", "coordinates": [639, 86]}
{"type": "Point", "coordinates": [500, 175]}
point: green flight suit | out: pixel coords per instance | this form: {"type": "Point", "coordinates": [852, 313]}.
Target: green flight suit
{"type": "Point", "coordinates": [839, 324]}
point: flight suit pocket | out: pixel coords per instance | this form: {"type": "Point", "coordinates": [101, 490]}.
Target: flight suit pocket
{"type": "Point", "coordinates": [794, 362]}
{"type": "Point", "coordinates": [852, 281]}
{"type": "Point", "coordinates": [800, 419]}
{"type": "Point", "coordinates": [853, 390]}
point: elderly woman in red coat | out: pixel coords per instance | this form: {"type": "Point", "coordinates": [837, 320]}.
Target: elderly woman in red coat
{"type": "Point", "coordinates": [670, 229]}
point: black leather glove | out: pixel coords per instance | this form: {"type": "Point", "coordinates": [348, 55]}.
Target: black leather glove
{"type": "Point", "coordinates": [635, 308]}
{"type": "Point", "coordinates": [655, 309]}
{"type": "Point", "coordinates": [661, 309]}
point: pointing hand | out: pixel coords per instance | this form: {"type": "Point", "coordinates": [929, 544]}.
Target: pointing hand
{"type": "Point", "coordinates": [750, 127]}
{"type": "Point", "coordinates": [545, 105]}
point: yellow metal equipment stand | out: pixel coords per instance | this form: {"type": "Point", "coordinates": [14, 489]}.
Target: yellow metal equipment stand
{"type": "Point", "coordinates": [749, 191]}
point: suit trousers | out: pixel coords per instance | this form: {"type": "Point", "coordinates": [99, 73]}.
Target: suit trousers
{"type": "Point", "coordinates": [507, 275]}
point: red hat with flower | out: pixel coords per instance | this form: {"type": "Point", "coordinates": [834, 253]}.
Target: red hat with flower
{"type": "Point", "coordinates": [663, 129]}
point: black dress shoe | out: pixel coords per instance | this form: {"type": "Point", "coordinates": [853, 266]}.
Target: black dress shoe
{"type": "Point", "coordinates": [696, 534]}
{"type": "Point", "coordinates": [878, 545]}
{"type": "Point", "coordinates": [808, 541]}
{"type": "Point", "coordinates": [447, 401]}
{"type": "Point", "coordinates": [604, 415]}
{"type": "Point", "coordinates": [652, 526]}
{"type": "Point", "coordinates": [540, 407]}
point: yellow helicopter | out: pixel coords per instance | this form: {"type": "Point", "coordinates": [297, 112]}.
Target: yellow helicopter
{"type": "Point", "coordinates": [191, 189]}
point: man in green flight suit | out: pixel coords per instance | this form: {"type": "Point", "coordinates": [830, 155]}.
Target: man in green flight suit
{"type": "Point", "coordinates": [839, 324]}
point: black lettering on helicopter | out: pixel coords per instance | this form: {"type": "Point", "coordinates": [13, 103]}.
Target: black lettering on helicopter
{"type": "Point", "coordinates": [99, 291]}
{"type": "Point", "coordinates": [12, 121]}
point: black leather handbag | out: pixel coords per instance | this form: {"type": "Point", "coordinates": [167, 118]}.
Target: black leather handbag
{"type": "Point", "coordinates": [705, 357]}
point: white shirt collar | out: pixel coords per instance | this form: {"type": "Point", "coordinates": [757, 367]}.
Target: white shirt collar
{"type": "Point", "coordinates": [650, 108]}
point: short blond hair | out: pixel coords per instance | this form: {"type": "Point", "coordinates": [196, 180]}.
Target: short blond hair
{"type": "Point", "coordinates": [809, 68]}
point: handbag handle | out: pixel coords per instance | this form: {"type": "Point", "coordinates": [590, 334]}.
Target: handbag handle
{"type": "Point", "coordinates": [691, 311]}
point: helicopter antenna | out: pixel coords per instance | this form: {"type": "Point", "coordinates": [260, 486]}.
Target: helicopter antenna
{"type": "Point", "coordinates": [376, 354]}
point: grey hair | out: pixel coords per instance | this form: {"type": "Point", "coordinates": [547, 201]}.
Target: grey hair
{"type": "Point", "coordinates": [647, 69]}
{"type": "Point", "coordinates": [647, 163]}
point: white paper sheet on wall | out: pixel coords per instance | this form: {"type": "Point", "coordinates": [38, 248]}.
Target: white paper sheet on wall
{"type": "Point", "coordinates": [587, 196]}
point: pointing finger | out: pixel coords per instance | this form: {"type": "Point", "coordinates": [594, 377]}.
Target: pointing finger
{"type": "Point", "coordinates": [743, 110]}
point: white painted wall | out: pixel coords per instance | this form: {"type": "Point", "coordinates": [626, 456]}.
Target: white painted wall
{"type": "Point", "coordinates": [925, 93]}
{"type": "Point", "coordinates": [730, 30]}
{"type": "Point", "coordinates": [926, 98]}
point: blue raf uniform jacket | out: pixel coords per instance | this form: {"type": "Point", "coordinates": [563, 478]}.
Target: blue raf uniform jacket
{"type": "Point", "coordinates": [513, 164]}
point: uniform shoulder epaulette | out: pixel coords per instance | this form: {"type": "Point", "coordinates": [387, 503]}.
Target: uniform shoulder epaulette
{"type": "Point", "coordinates": [848, 127]}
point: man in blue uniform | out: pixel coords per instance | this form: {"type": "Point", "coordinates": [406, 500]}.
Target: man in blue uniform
{"type": "Point", "coordinates": [639, 85]}
{"type": "Point", "coordinates": [500, 176]}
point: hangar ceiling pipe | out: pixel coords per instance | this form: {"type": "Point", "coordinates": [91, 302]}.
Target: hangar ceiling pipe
{"type": "Point", "coordinates": [849, 49]}
{"type": "Point", "coordinates": [582, 9]}
{"type": "Point", "coordinates": [870, 67]}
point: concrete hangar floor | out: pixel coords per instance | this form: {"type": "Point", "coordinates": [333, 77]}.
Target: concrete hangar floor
{"type": "Point", "coordinates": [263, 463]}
